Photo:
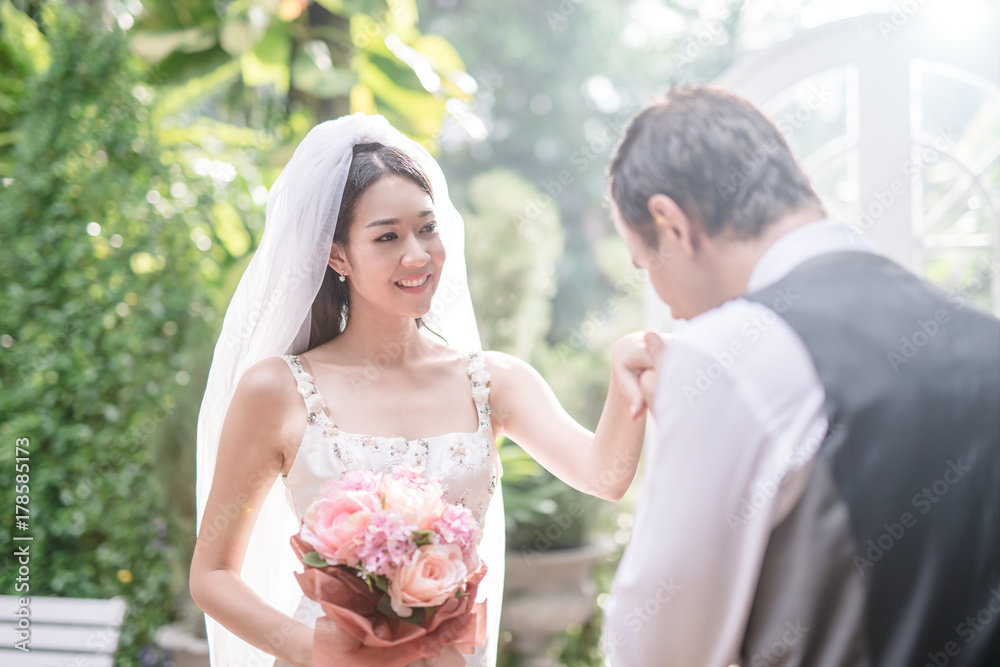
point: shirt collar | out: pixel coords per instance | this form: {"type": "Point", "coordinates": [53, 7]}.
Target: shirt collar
{"type": "Point", "coordinates": [801, 244]}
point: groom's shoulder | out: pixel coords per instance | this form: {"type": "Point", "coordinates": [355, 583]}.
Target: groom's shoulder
{"type": "Point", "coordinates": [738, 324]}
{"type": "Point", "coordinates": [744, 345]}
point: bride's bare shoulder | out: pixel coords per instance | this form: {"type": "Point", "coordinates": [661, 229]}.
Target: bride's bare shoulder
{"type": "Point", "coordinates": [267, 397]}
{"type": "Point", "coordinates": [268, 373]}
{"type": "Point", "coordinates": [267, 382]}
{"type": "Point", "coordinates": [504, 368]}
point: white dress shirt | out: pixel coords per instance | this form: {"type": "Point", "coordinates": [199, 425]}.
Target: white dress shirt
{"type": "Point", "coordinates": [739, 415]}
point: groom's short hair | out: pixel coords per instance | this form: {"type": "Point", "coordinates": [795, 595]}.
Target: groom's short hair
{"type": "Point", "coordinates": [716, 155]}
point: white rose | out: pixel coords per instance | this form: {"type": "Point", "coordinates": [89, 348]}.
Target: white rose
{"type": "Point", "coordinates": [314, 403]}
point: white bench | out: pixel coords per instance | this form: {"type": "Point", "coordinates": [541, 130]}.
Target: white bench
{"type": "Point", "coordinates": [65, 632]}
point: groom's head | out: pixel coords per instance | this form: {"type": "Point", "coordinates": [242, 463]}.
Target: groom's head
{"type": "Point", "coordinates": [700, 184]}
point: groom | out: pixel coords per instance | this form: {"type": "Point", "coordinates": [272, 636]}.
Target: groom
{"type": "Point", "coordinates": [823, 486]}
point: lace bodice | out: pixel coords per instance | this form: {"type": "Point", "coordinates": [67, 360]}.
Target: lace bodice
{"type": "Point", "coordinates": [466, 464]}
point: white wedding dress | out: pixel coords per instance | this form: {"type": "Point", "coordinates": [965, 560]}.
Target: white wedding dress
{"type": "Point", "coordinates": [467, 465]}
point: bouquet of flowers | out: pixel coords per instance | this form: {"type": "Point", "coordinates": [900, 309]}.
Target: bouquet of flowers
{"type": "Point", "coordinates": [394, 567]}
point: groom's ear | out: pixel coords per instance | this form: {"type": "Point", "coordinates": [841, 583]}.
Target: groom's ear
{"type": "Point", "coordinates": [677, 233]}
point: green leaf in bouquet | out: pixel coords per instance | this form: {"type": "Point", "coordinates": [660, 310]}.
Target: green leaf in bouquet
{"type": "Point", "coordinates": [313, 559]}
{"type": "Point", "coordinates": [384, 607]}
{"type": "Point", "coordinates": [368, 582]}
{"type": "Point", "coordinates": [422, 537]}
{"type": "Point", "coordinates": [381, 582]}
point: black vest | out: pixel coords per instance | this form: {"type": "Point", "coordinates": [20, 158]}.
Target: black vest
{"type": "Point", "coordinates": [892, 554]}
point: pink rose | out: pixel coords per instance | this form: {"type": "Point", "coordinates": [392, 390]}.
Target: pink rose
{"type": "Point", "coordinates": [431, 576]}
{"type": "Point", "coordinates": [420, 506]}
{"type": "Point", "coordinates": [332, 524]}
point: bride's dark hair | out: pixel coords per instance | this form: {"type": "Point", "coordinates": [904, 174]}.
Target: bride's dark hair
{"type": "Point", "coordinates": [370, 162]}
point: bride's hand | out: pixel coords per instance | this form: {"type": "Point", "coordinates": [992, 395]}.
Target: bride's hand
{"type": "Point", "coordinates": [635, 358]}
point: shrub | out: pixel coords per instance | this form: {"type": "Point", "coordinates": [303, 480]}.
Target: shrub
{"type": "Point", "coordinates": [101, 299]}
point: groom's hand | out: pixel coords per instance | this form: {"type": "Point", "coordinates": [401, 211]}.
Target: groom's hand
{"type": "Point", "coordinates": [635, 358]}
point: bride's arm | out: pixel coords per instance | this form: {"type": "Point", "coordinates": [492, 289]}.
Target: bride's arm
{"type": "Point", "coordinates": [255, 439]}
{"type": "Point", "coordinates": [525, 409]}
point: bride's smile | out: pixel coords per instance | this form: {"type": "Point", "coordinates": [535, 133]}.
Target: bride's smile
{"type": "Point", "coordinates": [394, 255]}
{"type": "Point", "coordinates": [414, 285]}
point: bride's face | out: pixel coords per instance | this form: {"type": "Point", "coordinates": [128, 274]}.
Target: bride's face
{"type": "Point", "coordinates": [394, 254]}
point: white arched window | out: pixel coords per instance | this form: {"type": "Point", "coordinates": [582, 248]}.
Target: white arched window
{"type": "Point", "coordinates": [897, 123]}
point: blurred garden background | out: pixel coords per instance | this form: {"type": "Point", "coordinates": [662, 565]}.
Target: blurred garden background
{"type": "Point", "coordinates": [138, 139]}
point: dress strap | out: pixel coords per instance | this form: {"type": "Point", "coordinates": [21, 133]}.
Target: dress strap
{"type": "Point", "coordinates": [317, 411]}
{"type": "Point", "coordinates": [480, 388]}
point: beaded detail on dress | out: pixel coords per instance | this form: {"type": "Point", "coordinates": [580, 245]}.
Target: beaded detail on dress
{"type": "Point", "coordinates": [470, 452]}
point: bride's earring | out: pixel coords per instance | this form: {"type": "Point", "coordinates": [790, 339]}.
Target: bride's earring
{"type": "Point", "coordinates": [343, 278]}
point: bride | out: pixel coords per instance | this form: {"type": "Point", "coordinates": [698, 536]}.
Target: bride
{"type": "Point", "coordinates": [351, 343]}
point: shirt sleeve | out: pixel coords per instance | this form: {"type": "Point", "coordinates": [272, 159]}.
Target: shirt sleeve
{"type": "Point", "coordinates": [716, 478]}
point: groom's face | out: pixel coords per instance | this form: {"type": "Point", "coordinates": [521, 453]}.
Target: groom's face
{"type": "Point", "coordinates": [649, 259]}
{"type": "Point", "coordinates": [667, 265]}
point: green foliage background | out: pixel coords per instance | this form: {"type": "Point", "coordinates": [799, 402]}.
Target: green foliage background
{"type": "Point", "coordinates": [98, 325]}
